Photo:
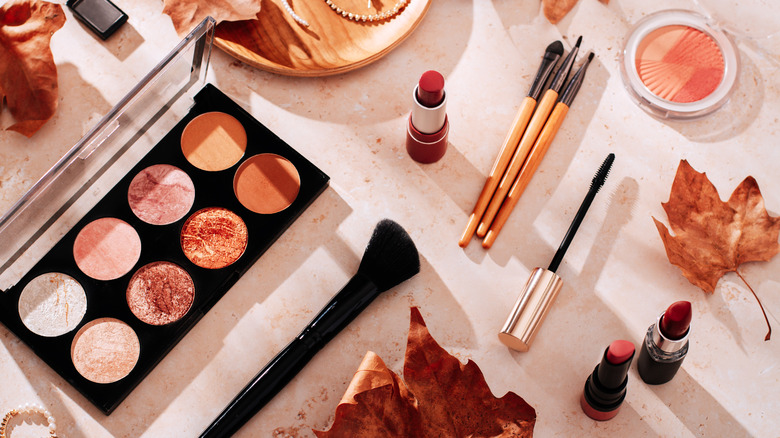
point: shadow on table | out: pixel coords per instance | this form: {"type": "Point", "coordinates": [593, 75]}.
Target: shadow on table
{"type": "Point", "coordinates": [696, 408]}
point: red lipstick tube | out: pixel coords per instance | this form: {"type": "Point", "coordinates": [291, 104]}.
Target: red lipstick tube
{"type": "Point", "coordinates": [665, 345]}
{"type": "Point", "coordinates": [605, 388]}
{"type": "Point", "coordinates": [426, 132]}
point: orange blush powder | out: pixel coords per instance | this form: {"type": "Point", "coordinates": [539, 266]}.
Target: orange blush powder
{"type": "Point", "coordinates": [680, 63]}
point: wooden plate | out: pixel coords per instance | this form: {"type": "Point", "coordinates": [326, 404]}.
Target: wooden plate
{"type": "Point", "coordinates": [330, 45]}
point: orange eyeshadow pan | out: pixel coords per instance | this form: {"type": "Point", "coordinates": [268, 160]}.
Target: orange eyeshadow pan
{"type": "Point", "coordinates": [213, 141]}
{"type": "Point", "coordinates": [266, 183]}
{"type": "Point", "coordinates": [214, 238]}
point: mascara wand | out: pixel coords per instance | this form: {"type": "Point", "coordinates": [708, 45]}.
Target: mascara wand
{"type": "Point", "coordinates": [542, 288]}
{"type": "Point", "coordinates": [595, 185]}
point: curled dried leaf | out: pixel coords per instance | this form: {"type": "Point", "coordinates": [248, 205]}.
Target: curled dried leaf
{"type": "Point", "coordinates": [186, 14]}
{"type": "Point", "coordinates": [555, 10]}
{"type": "Point", "coordinates": [441, 397]}
{"type": "Point", "coordinates": [28, 75]}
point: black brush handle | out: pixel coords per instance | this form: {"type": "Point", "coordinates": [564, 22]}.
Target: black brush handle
{"type": "Point", "coordinates": [355, 296]}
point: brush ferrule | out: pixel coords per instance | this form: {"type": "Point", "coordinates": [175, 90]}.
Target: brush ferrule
{"type": "Point", "coordinates": [574, 85]}
{"type": "Point", "coordinates": [563, 71]}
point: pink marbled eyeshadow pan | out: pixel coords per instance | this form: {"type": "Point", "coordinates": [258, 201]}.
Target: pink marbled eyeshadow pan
{"type": "Point", "coordinates": [161, 194]}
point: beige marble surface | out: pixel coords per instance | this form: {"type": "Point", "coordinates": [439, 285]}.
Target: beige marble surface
{"type": "Point", "coordinates": [617, 277]}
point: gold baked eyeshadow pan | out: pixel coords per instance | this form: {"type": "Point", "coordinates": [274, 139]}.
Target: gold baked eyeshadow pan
{"type": "Point", "coordinates": [139, 270]}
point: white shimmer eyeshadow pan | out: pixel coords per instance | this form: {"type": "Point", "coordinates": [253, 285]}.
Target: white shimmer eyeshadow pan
{"type": "Point", "coordinates": [52, 304]}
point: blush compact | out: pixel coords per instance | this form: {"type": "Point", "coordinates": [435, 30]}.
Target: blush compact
{"type": "Point", "coordinates": [675, 65]}
{"type": "Point", "coordinates": [122, 247]}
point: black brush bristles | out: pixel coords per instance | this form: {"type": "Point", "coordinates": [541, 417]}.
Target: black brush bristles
{"type": "Point", "coordinates": [390, 257]}
{"type": "Point", "coordinates": [555, 47]}
{"type": "Point", "coordinates": [595, 185]}
{"type": "Point", "coordinates": [603, 172]}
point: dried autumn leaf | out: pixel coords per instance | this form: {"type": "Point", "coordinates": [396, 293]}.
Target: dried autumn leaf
{"type": "Point", "coordinates": [186, 14]}
{"type": "Point", "coordinates": [713, 237]}
{"type": "Point", "coordinates": [555, 10]}
{"type": "Point", "coordinates": [376, 404]}
{"type": "Point", "coordinates": [444, 398]}
{"type": "Point", "coordinates": [28, 75]}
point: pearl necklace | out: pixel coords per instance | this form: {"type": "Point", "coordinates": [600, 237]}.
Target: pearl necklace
{"type": "Point", "coordinates": [350, 15]}
{"type": "Point", "coordinates": [372, 17]}
{"type": "Point", "coordinates": [29, 409]}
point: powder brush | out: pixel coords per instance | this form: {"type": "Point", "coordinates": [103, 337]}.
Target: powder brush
{"type": "Point", "coordinates": [389, 259]}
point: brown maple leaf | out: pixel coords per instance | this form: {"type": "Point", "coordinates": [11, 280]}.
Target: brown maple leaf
{"type": "Point", "coordinates": [713, 237]}
{"type": "Point", "coordinates": [555, 10]}
{"type": "Point", "coordinates": [28, 75]}
{"type": "Point", "coordinates": [441, 398]}
{"type": "Point", "coordinates": [186, 14]}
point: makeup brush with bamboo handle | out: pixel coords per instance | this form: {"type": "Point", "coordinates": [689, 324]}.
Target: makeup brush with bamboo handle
{"type": "Point", "coordinates": [529, 138]}
{"type": "Point", "coordinates": [551, 55]}
{"type": "Point", "coordinates": [546, 137]}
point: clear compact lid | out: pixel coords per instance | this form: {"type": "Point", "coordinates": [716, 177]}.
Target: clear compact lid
{"type": "Point", "coordinates": [101, 158]}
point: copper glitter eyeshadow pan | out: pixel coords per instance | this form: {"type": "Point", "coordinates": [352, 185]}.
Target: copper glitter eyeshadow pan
{"type": "Point", "coordinates": [163, 245]}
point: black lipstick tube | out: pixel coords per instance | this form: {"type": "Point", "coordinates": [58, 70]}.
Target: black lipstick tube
{"type": "Point", "coordinates": [660, 357]}
{"type": "Point", "coordinates": [605, 389]}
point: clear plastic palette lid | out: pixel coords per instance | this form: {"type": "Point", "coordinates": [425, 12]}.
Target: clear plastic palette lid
{"type": "Point", "coordinates": [101, 158]}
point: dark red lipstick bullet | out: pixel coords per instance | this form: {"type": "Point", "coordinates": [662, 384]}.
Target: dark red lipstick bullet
{"type": "Point", "coordinates": [665, 345]}
{"type": "Point", "coordinates": [426, 132]}
{"type": "Point", "coordinates": [605, 388]}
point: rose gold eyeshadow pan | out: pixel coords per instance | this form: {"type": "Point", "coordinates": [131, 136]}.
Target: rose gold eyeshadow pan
{"type": "Point", "coordinates": [160, 293]}
{"type": "Point", "coordinates": [138, 270]}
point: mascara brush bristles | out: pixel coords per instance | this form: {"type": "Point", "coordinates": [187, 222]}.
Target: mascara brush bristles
{"type": "Point", "coordinates": [603, 172]}
{"type": "Point", "coordinates": [595, 185]}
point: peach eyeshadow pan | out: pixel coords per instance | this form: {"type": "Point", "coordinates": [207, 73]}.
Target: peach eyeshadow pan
{"type": "Point", "coordinates": [266, 183]}
{"type": "Point", "coordinates": [107, 248]}
{"type": "Point", "coordinates": [105, 350]}
{"type": "Point", "coordinates": [213, 141]}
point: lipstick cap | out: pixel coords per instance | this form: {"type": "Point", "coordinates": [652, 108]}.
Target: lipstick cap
{"type": "Point", "coordinates": [530, 309]}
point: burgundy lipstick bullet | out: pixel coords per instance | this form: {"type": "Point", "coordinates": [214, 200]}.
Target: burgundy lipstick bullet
{"type": "Point", "coordinates": [665, 345]}
{"type": "Point", "coordinates": [605, 388]}
{"type": "Point", "coordinates": [426, 132]}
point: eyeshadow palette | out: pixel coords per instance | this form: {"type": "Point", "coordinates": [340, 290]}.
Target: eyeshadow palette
{"type": "Point", "coordinates": [133, 275]}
